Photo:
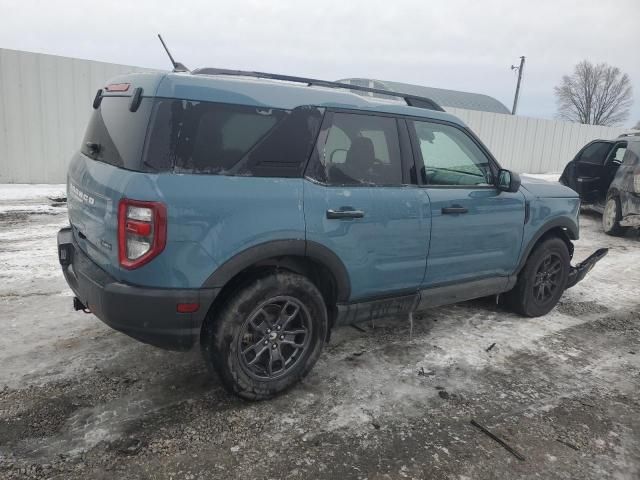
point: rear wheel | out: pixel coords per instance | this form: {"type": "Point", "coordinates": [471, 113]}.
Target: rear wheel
{"type": "Point", "coordinates": [542, 280]}
{"type": "Point", "coordinates": [268, 335]}
{"type": "Point", "coordinates": [611, 217]}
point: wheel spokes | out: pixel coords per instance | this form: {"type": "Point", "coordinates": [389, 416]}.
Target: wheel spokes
{"type": "Point", "coordinates": [287, 314]}
{"type": "Point", "coordinates": [274, 337]}
{"type": "Point", "coordinates": [275, 356]}
{"type": "Point", "coordinates": [291, 335]}
{"type": "Point", "coordinates": [259, 348]}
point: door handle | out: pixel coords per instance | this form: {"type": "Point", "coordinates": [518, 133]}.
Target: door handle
{"type": "Point", "coordinates": [344, 212]}
{"type": "Point", "coordinates": [454, 209]}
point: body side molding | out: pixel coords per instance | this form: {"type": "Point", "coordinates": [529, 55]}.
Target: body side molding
{"type": "Point", "coordinates": [406, 302]}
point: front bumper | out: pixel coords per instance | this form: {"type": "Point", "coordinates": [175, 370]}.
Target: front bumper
{"type": "Point", "coordinates": [580, 271]}
{"type": "Point", "coordinates": [146, 314]}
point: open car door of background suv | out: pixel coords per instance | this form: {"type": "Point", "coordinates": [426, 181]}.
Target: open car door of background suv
{"type": "Point", "coordinates": [587, 173]}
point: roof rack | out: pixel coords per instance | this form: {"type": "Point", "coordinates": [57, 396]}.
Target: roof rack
{"type": "Point", "coordinates": [412, 100]}
{"type": "Point", "coordinates": [629, 134]}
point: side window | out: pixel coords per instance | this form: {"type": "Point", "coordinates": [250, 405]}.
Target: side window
{"type": "Point", "coordinates": [595, 154]}
{"type": "Point", "coordinates": [450, 156]}
{"type": "Point", "coordinates": [215, 138]}
{"type": "Point", "coordinates": [362, 149]}
{"type": "Point", "coordinates": [617, 154]}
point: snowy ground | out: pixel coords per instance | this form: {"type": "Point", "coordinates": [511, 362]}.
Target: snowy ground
{"type": "Point", "coordinates": [78, 400]}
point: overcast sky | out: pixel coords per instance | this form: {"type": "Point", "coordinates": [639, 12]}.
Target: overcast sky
{"type": "Point", "coordinates": [456, 44]}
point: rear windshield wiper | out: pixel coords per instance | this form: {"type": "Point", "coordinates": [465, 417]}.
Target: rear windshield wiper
{"type": "Point", "coordinates": [93, 148]}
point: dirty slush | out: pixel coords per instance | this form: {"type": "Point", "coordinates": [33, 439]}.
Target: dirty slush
{"type": "Point", "coordinates": [79, 400]}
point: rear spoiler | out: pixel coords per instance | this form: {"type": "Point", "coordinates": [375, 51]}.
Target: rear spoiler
{"type": "Point", "coordinates": [119, 90]}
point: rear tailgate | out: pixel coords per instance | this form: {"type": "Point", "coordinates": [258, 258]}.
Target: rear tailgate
{"type": "Point", "coordinates": [110, 153]}
{"type": "Point", "coordinates": [93, 192]}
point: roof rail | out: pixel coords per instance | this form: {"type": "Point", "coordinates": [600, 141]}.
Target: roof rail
{"type": "Point", "coordinates": [629, 134]}
{"type": "Point", "coordinates": [412, 100]}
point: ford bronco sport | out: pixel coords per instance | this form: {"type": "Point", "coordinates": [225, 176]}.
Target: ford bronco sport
{"type": "Point", "coordinates": [251, 213]}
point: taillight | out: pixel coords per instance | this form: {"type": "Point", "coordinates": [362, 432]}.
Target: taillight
{"type": "Point", "coordinates": [142, 231]}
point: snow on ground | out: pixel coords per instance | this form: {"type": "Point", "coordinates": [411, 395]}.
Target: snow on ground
{"type": "Point", "coordinates": [386, 401]}
{"type": "Point", "coordinates": [18, 198]}
{"type": "Point", "coordinates": [33, 192]}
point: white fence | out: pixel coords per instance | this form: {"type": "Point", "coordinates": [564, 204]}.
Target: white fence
{"type": "Point", "coordinates": [45, 103]}
{"type": "Point", "coordinates": [532, 145]}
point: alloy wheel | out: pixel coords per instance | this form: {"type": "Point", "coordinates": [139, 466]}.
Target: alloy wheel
{"type": "Point", "coordinates": [275, 336]}
{"type": "Point", "coordinates": [548, 278]}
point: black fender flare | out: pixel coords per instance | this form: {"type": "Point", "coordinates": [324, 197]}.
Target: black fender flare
{"type": "Point", "coordinates": [283, 248]}
{"type": "Point", "coordinates": [569, 229]}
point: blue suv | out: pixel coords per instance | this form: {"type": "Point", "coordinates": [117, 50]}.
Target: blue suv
{"type": "Point", "coordinates": [251, 213]}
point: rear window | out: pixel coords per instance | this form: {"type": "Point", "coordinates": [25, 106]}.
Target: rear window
{"type": "Point", "coordinates": [214, 138]}
{"type": "Point", "coordinates": [115, 135]}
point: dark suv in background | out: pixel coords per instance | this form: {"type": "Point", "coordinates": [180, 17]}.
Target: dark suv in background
{"type": "Point", "coordinates": [606, 175]}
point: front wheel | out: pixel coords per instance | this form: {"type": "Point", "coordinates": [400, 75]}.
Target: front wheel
{"type": "Point", "coordinates": [542, 280]}
{"type": "Point", "coordinates": [267, 336]}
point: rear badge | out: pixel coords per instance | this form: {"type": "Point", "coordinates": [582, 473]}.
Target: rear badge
{"type": "Point", "coordinates": [80, 195]}
{"type": "Point", "coordinates": [105, 244]}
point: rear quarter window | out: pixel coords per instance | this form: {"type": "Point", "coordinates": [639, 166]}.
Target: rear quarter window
{"type": "Point", "coordinates": [214, 138]}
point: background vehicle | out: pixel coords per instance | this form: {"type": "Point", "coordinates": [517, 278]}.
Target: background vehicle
{"type": "Point", "coordinates": [606, 175]}
{"type": "Point", "coordinates": [252, 215]}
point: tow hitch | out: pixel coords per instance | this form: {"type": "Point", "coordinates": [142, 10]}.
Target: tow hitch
{"type": "Point", "coordinates": [578, 272]}
{"type": "Point", "coordinates": [78, 305]}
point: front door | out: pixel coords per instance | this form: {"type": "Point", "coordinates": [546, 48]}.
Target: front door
{"type": "Point", "coordinates": [476, 228]}
{"type": "Point", "coordinates": [359, 204]}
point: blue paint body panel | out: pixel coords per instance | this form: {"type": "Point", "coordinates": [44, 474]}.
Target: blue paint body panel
{"type": "Point", "coordinates": [484, 242]}
{"type": "Point", "coordinates": [210, 219]}
{"type": "Point", "coordinates": [385, 251]}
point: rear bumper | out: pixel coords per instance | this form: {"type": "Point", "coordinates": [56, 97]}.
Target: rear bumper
{"type": "Point", "coordinates": [146, 314]}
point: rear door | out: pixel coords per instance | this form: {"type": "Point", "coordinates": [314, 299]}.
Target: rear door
{"type": "Point", "coordinates": [476, 229]}
{"type": "Point", "coordinates": [359, 203]}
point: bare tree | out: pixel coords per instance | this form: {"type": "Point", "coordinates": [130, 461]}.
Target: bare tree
{"type": "Point", "coordinates": [595, 94]}
{"type": "Point", "coordinates": [637, 127]}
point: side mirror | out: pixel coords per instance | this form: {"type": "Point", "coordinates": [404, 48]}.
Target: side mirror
{"type": "Point", "coordinates": [508, 181]}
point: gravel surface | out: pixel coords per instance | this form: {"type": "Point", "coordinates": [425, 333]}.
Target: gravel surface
{"type": "Point", "coordinates": [78, 400]}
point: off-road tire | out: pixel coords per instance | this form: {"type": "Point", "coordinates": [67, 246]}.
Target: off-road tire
{"type": "Point", "coordinates": [611, 217]}
{"type": "Point", "coordinates": [221, 337]}
{"type": "Point", "coordinates": [522, 299]}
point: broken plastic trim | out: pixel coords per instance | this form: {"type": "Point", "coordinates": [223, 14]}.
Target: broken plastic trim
{"type": "Point", "coordinates": [578, 272]}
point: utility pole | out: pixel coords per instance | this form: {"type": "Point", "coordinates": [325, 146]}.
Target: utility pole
{"type": "Point", "coordinates": [519, 69]}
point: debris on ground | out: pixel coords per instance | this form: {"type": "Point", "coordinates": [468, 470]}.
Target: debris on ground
{"type": "Point", "coordinates": [493, 436]}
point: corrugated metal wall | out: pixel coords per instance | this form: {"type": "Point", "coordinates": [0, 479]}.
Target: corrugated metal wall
{"type": "Point", "coordinates": [45, 103]}
{"type": "Point", "coordinates": [532, 145]}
